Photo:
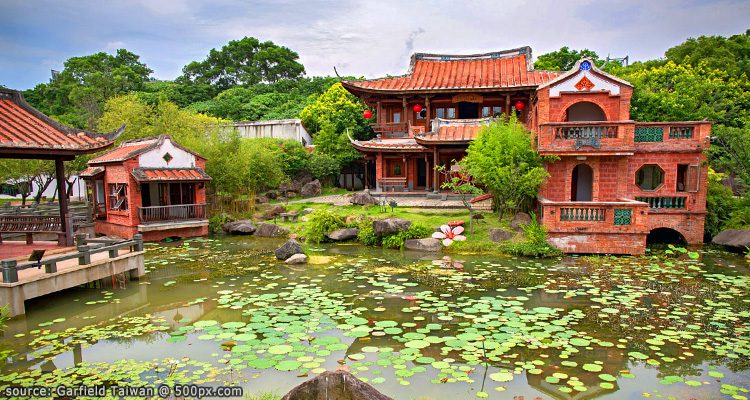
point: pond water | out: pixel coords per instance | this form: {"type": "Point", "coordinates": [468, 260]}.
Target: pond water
{"type": "Point", "coordinates": [224, 311]}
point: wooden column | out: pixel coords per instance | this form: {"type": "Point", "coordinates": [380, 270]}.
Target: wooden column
{"type": "Point", "coordinates": [379, 109]}
{"type": "Point", "coordinates": [427, 110]}
{"type": "Point", "coordinates": [403, 116]}
{"type": "Point", "coordinates": [65, 224]}
{"type": "Point", "coordinates": [435, 187]}
{"type": "Point", "coordinates": [406, 172]}
{"type": "Point", "coordinates": [367, 172]}
{"type": "Point", "coordinates": [507, 104]}
{"type": "Point", "coordinates": [427, 177]}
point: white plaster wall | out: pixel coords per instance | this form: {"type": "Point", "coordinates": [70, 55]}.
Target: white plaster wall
{"type": "Point", "coordinates": [600, 84]}
{"type": "Point", "coordinates": [155, 158]}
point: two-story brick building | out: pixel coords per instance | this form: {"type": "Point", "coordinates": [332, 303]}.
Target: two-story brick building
{"type": "Point", "coordinates": [616, 182]}
{"type": "Point", "coordinates": [150, 186]}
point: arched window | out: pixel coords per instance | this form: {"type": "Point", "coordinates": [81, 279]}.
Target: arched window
{"type": "Point", "coordinates": [582, 183]}
{"type": "Point", "coordinates": [584, 111]}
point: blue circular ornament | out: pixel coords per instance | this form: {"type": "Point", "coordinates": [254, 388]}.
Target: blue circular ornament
{"type": "Point", "coordinates": [585, 66]}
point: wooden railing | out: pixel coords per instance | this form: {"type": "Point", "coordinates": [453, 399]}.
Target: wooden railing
{"type": "Point", "coordinates": [391, 129]}
{"type": "Point", "coordinates": [393, 183]}
{"type": "Point", "coordinates": [85, 249]}
{"type": "Point", "coordinates": [675, 132]}
{"type": "Point", "coordinates": [172, 213]}
{"type": "Point", "coordinates": [670, 202]}
{"type": "Point", "coordinates": [594, 216]}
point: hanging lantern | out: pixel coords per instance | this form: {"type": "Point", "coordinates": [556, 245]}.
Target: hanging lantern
{"type": "Point", "coordinates": [367, 114]}
{"type": "Point", "coordinates": [520, 105]}
{"type": "Point", "coordinates": [417, 108]}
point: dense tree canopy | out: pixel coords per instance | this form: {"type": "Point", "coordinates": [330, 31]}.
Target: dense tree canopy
{"type": "Point", "coordinates": [247, 61]}
{"type": "Point", "coordinates": [564, 59]}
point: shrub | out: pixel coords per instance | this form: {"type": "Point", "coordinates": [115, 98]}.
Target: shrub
{"type": "Point", "coordinates": [535, 243]}
{"type": "Point", "coordinates": [323, 167]}
{"type": "Point", "coordinates": [216, 222]}
{"type": "Point", "coordinates": [366, 234]}
{"type": "Point", "coordinates": [396, 240]}
{"type": "Point", "coordinates": [740, 217]}
{"type": "Point", "coordinates": [4, 315]}
{"type": "Point", "coordinates": [321, 222]}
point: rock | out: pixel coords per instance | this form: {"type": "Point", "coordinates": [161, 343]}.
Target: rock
{"type": "Point", "coordinates": [343, 234]}
{"type": "Point", "coordinates": [520, 219]}
{"type": "Point", "coordinates": [306, 211]}
{"type": "Point", "coordinates": [363, 198]}
{"type": "Point", "coordinates": [288, 249]}
{"type": "Point", "coordinates": [241, 227]}
{"type": "Point", "coordinates": [350, 219]}
{"type": "Point", "coordinates": [272, 194]}
{"type": "Point", "coordinates": [297, 259]}
{"type": "Point", "coordinates": [391, 225]}
{"type": "Point", "coordinates": [274, 211]}
{"type": "Point", "coordinates": [302, 178]}
{"type": "Point", "coordinates": [428, 244]}
{"type": "Point", "coordinates": [499, 235]}
{"type": "Point", "coordinates": [286, 187]}
{"type": "Point", "coordinates": [739, 238]}
{"type": "Point", "coordinates": [477, 216]}
{"type": "Point", "coordinates": [334, 385]}
{"type": "Point", "coordinates": [311, 189]}
{"type": "Point", "coordinates": [261, 200]}
{"type": "Point", "coordinates": [271, 230]}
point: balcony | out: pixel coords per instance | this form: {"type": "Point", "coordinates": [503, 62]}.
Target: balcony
{"type": "Point", "coordinates": [624, 216]}
{"type": "Point", "coordinates": [174, 213]}
{"type": "Point", "coordinates": [598, 137]}
{"type": "Point", "coordinates": [672, 136]}
{"type": "Point", "coordinates": [391, 130]}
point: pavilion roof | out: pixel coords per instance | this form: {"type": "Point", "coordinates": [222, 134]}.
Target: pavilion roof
{"type": "Point", "coordinates": [133, 148]}
{"type": "Point", "coordinates": [450, 134]}
{"type": "Point", "coordinates": [170, 174]}
{"type": "Point", "coordinates": [25, 132]}
{"type": "Point", "coordinates": [477, 72]}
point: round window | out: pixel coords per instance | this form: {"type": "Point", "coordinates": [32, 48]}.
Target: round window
{"type": "Point", "coordinates": [649, 177]}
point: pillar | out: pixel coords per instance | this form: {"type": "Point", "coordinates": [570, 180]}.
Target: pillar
{"type": "Point", "coordinates": [428, 178]}
{"type": "Point", "coordinates": [435, 186]}
{"type": "Point", "coordinates": [65, 223]}
{"type": "Point", "coordinates": [379, 170]}
{"type": "Point", "coordinates": [507, 104]}
{"type": "Point", "coordinates": [406, 174]}
{"type": "Point", "coordinates": [427, 127]}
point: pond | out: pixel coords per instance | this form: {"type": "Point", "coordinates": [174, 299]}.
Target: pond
{"type": "Point", "coordinates": [224, 311]}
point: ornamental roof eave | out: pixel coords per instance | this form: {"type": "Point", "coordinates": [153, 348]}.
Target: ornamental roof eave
{"type": "Point", "coordinates": [29, 133]}
{"type": "Point", "coordinates": [136, 147]}
{"type": "Point", "coordinates": [193, 174]}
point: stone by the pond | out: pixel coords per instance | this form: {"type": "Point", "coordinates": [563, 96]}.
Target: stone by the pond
{"type": "Point", "coordinates": [389, 226]}
{"type": "Point", "coordinates": [343, 234]}
{"type": "Point", "coordinates": [311, 189]}
{"type": "Point", "coordinates": [733, 238]}
{"type": "Point", "coordinates": [334, 385]}
{"type": "Point", "coordinates": [261, 200]}
{"type": "Point", "coordinates": [288, 249]}
{"type": "Point", "coordinates": [274, 211]}
{"type": "Point", "coordinates": [297, 259]}
{"type": "Point", "coordinates": [272, 194]}
{"type": "Point", "coordinates": [520, 219]}
{"type": "Point", "coordinates": [428, 244]}
{"type": "Point", "coordinates": [363, 198]}
{"type": "Point", "coordinates": [499, 235]}
{"type": "Point", "coordinates": [306, 211]}
{"type": "Point", "coordinates": [271, 230]}
{"type": "Point", "coordinates": [241, 227]}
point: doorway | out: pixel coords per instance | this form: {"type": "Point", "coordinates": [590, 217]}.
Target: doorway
{"type": "Point", "coordinates": [468, 110]}
{"type": "Point", "coordinates": [421, 173]}
{"type": "Point", "coordinates": [582, 184]}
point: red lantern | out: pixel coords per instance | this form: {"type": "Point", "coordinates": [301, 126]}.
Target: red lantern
{"type": "Point", "coordinates": [367, 114]}
{"type": "Point", "coordinates": [417, 108]}
{"type": "Point", "coordinates": [520, 105]}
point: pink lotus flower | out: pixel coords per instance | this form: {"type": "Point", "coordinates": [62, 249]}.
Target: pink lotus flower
{"type": "Point", "coordinates": [449, 234]}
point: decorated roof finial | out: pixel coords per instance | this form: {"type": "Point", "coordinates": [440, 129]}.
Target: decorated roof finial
{"type": "Point", "coordinates": [585, 66]}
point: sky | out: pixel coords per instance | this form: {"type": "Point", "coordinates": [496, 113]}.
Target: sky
{"type": "Point", "coordinates": [369, 38]}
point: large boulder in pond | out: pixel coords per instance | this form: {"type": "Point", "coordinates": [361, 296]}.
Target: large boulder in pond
{"type": "Point", "coordinates": [288, 249]}
{"type": "Point", "coordinates": [297, 259]}
{"type": "Point", "coordinates": [390, 226]}
{"type": "Point", "coordinates": [339, 235]}
{"type": "Point", "coordinates": [271, 230]}
{"type": "Point", "coordinates": [739, 238]}
{"type": "Point", "coordinates": [500, 235]}
{"type": "Point", "coordinates": [334, 385]}
{"type": "Point", "coordinates": [241, 227]}
{"type": "Point", "coordinates": [311, 189]}
{"type": "Point", "coordinates": [428, 244]}
{"type": "Point", "coordinates": [520, 219]}
{"type": "Point", "coordinates": [363, 198]}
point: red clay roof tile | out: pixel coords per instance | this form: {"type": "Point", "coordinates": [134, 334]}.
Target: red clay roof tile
{"type": "Point", "coordinates": [430, 72]}
{"type": "Point", "coordinates": [170, 174]}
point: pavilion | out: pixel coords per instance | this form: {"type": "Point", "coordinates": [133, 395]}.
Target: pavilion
{"type": "Point", "coordinates": [26, 133]}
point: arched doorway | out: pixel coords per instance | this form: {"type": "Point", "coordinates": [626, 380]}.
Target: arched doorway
{"type": "Point", "coordinates": [584, 111]}
{"type": "Point", "coordinates": [665, 236]}
{"type": "Point", "coordinates": [582, 184]}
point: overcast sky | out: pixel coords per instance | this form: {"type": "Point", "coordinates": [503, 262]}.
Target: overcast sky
{"type": "Point", "coordinates": [363, 38]}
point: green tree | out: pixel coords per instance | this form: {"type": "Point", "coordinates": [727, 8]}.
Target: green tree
{"type": "Point", "coordinates": [244, 62]}
{"type": "Point", "coordinates": [564, 59]}
{"type": "Point", "coordinates": [730, 54]}
{"type": "Point", "coordinates": [83, 86]}
{"type": "Point", "coordinates": [503, 161]}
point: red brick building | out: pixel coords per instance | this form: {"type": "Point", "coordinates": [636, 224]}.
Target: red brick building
{"type": "Point", "coordinates": [150, 186]}
{"type": "Point", "coordinates": [616, 182]}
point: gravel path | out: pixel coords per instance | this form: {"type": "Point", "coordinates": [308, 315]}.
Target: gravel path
{"type": "Point", "coordinates": [419, 201]}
